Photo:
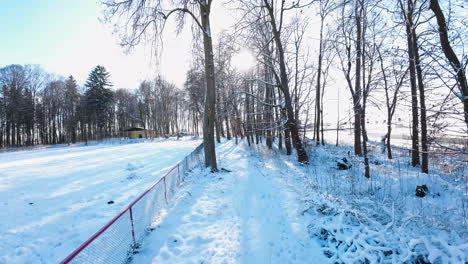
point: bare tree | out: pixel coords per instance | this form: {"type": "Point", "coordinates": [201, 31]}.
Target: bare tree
{"type": "Point", "coordinates": [345, 53]}
{"type": "Point", "coordinates": [325, 8]}
{"type": "Point", "coordinates": [457, 66]}
{"type": "Point", "coordinates": [146, 19]}
{"type": "Point", "coordinates": [393, 79]}
{"type": "Point", "coordinates": [276, 27]}
{"type": "Point", "coordinates": [407, 13]}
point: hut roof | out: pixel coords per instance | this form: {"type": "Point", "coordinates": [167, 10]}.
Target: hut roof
{"type": "Point", "coordinates": [134, 129]}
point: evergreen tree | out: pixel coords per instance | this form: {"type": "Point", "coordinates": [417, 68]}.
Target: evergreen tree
{"type": "Point", "coordinates": [99, 102]}
{"type": "Point", "coordinates": [71, 102]}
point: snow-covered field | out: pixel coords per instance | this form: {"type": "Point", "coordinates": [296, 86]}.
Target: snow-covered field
{"type": "Point", "coordinates": [54, 198]}
{"type": "Point", "coordinates": [262, 208]}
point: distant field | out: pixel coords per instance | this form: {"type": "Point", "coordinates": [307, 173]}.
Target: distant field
{"type": "Point", "coordinates": [400, 137]}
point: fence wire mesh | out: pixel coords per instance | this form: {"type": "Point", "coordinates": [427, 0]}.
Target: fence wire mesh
{"type": "Point", "coordinates": [117, 241]}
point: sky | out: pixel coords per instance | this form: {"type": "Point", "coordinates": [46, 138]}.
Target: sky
{"type": "Point", "coordinates": [67, 38]}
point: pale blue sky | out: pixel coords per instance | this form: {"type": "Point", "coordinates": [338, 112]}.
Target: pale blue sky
{"type": "Point", "coordinates": [65, 37]}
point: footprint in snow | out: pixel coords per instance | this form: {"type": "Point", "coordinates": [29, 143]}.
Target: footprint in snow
{"type": "Point", "coordinates": [132, 176]}
{"type": "Point", "coordinates": [134, 165]}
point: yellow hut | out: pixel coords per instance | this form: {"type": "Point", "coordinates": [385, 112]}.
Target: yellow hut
{"type": "Point", "coordinates": [136, 132]}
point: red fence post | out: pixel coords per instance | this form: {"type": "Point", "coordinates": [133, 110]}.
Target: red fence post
{"type": "Point", "coordinates": [133, 228]}
{"type": "Point", "coordinates": [165, 189]}
{"type": "Point", "coordinates": [178, 172]}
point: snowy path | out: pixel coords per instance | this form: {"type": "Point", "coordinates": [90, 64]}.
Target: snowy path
{"type": "Point", "coordinates": [53, 199]}
{"type": "Point", "coordinates": [249, 215]}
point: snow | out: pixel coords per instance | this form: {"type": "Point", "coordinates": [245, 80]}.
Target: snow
{"type": "Point", "coordinates": [54, 198]}
{"type": "Point", "coordinates": [269, 209]}
{"type": "Point", "coordinates": [262, 207]}
{"type": "Point", "coordinates": [246, 215]}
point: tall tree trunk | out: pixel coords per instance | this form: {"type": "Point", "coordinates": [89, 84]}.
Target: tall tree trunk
{"type": "Point", "coordinates": [268, 109]}
{"type": "Point", "coordinates": [358, 90]}
{"type": "Point", "coordinates": [247, 113]}
{"type": "Point", "coordinates": [218, 130]}
{"type": "Point", "coordinates": [278, 118]}
{"type": "Point", "coordinates": [218, 120]}
{"type": "Point", "coordinates": [228, 132]}
{"type": "Point", "coordinates": [364, 144]}
{"type": "Point", "coordinates": [287, 141]}
{"type": "Point", "coordinates": [318, 86]}
{"type": "Point", "coordinates": [176, 117]}
{"type": "Point", "coordinates": [362, 91]}
{"type": "Point", "coordinates": [302, 156]}
{"type": "Point", "coordinates": [389, 109]}
{"type": "Point", "coordinates": [321, 119]}
{"type": "Point", "coordinates": [285, 128]}
{"type": "Point", "coordinates": [210, 97]}
{"type": "Point", "coordinates": [414, 93]}
{"type": "Point", "coordinates": [422, 102]}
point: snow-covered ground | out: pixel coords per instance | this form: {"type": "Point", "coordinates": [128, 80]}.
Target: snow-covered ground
{"type": "Point", "coordinates": [262, 208]}
{"type": "Point", "coordinates": [54, 198]}
{"type": "Point", "coordinates": [380, 219]}
{"type": "Point", "coordinates": [247, 215]}
{"type": "Point", "coordinates": [268, 209]}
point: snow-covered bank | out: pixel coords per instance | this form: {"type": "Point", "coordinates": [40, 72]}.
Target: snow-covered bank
{"type": "Point", "coordinates": [53, 199]}
{"type": "Point", "coordinates": [269, 209]}
{"type": "Point", "coordinates": [381, 219]}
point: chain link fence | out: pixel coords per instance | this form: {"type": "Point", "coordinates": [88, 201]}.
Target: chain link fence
{"type": "Point", "coordinates": [118, 240]}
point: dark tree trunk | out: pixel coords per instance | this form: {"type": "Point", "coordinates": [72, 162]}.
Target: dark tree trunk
{"type": "Point", "coordinates": [218, 130]}
{"type": "Point", "coordinates": [358, 91]}
{"type": "Point", "coordinates": [321, 122]}
{"type": "Point", "coordinates": [210, 97]}
{"type": "Point", "coordinates": [285, 129]}
{"type": "Point", "coordinates": [228, 132]}
{"type": "Point", "coordinates": [302, 156]}
{"type": "Point", "coordinates": [387, 142]}
{"type": "Point", "coordinates": [247, 113]}
{"type": "Point", "coordinates": [318, 87]}
{"type": "Point", "coordinates": [364, 144]}
{"type": "Point", "coordinates": [414, 93]}
{"type": "Point", "coordinates": [361, 91]}
{"type": "Point", "coordinates": [287, 141]}
{"type": "Point", "coordinates": [422, 102]}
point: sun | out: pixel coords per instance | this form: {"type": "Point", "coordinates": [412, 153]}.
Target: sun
{"type": "Point", "coordinates": [244, 60]}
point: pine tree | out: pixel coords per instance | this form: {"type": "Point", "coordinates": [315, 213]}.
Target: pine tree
{"type": "Point", "coordinates": [99, 102]}
{"type": "Point", "coordinates": [71, 102]}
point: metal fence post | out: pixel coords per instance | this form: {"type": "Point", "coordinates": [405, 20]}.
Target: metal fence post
{"type": "Point", "coordinates": [178, 172]}
{"type": "Point", "coordinates": [165, 189]}
{"type": "Point", "coordinates": [133, 229]}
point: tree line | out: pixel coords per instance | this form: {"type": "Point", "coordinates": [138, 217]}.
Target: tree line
{"type": "Point", "coordinates": [39, 108]}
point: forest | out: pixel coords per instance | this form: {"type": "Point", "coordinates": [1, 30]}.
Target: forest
{"type": "Point", "coordinates": [380, 59]}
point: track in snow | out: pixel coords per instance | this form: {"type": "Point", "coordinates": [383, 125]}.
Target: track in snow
{"type": "Point", "coordinates": [245, 216]}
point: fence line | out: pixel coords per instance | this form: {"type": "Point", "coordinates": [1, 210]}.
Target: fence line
{"type": "Point", "coordinates": [118, 240]}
